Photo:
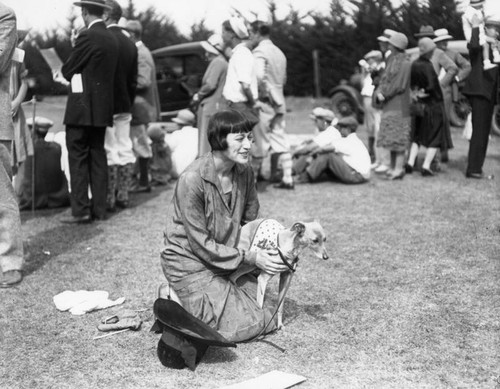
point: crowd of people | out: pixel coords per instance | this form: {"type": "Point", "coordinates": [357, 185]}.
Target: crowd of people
{"type": "Point", "coordinates": [114, 145]}
{"type": "Point", "coordinates": [408, 102]}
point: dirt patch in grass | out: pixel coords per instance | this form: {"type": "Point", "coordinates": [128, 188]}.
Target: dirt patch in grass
{"type": "Point", "coordinates": [409, 297]}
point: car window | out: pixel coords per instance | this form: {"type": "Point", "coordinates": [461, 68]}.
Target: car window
{"type": "Point", "coordinates": [169, 68]}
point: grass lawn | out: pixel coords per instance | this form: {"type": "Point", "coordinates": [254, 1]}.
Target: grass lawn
{"type": "Point", "coordinates": [408, 299]}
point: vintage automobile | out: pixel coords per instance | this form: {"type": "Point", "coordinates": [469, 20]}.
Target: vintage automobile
{"type": "Point", "coordinates": [179, 72]}
{"type": "Point", "coordinates": [346, 98]}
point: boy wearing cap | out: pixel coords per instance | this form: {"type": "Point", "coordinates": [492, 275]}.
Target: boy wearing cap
{"type": "Point", "coordinates": [481, 88]}
{"type": "Point", "coordinates": [345, 158]}
{"type": "Point", "coordinates": [183, 143]}
{"type": "Point", "coordinates": [209, 96]}
{"type": "Point", "coordinates": [475, 9]}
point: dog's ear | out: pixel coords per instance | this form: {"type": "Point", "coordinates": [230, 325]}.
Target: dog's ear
{"type": "Point", "coordinates": [299, 228]}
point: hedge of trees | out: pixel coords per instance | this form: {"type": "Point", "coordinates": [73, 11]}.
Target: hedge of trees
{"type": "Point", "coordinates": [341, 37]}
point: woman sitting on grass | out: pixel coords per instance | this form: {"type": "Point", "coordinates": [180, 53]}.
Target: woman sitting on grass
{"type": "Point", "coordinates": [213, 198]}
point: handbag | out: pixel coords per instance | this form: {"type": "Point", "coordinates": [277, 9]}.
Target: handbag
{"type": "Point", "coordinates": [417, 108]}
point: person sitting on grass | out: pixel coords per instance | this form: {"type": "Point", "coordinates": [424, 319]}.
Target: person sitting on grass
{"type": "Point", "coordinates": [183, 143]}
{"type": "Point", "coordinates": [298, 160]}
{"type": "Point", "coordinates": [51, 186]}
{"type": "Point", "coordinates": [346, 158]}
{"type": "Point", "coordinates": [213, 198]}
{"type": "Point", "coordinates": [160, 163]}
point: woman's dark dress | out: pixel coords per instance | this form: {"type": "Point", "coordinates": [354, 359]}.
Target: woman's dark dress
{"type": "Point", "coordinates": [431, 129]}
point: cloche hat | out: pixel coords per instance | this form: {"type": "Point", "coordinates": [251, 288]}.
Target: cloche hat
{"type": "Point", "coordinates": [399, 40]}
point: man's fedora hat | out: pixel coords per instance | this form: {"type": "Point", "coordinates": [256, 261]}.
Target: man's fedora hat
{"type": "Point", "coordinates": [425, 31]}
{"type": "Point", "coordinates": [442, 35]}
{"type": "Point", "coordinates": [185, 338]}
{"type": "Point", "coordinates": [97, 3]}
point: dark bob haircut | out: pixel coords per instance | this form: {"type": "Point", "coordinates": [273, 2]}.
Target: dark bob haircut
{"type": "Point", "coordinates": [223, 123]}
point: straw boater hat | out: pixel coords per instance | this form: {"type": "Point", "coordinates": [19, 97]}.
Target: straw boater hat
{"type": "Point", "coordinates": [476, 2]}
{"type": "Point", "coordinates": [97, 3]}
{"type": "Point", "coordinates": [399, 40]}
{"type": "Point", "coordinates": [442, 35]}
{"type": "Point", "coordinates": [238, 26]}
{"type": "Point", "coordinates": [213, 44]}
{"type": "Point", "coordinates": [425, 31]}
{"type": "Point", "coordinates": [426, 45]}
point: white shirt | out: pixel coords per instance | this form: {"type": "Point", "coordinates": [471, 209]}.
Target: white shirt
{"type": "Point", "coordinates": [240, 70]}
{"type": "Point", "coordinates": [183, 145]}
{"type": "Point", "coordinates": [327, 137]}
{"type": "Point", "coordinates": [354, 153]}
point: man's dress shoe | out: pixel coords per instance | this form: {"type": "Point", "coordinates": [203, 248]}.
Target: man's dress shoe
{"type": "Point", "coordinates": [77, 219]}
{"type": "Point", "coordinates": [479, 176]}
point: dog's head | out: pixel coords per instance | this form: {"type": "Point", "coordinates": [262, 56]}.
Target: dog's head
{"type": "Point", "coordinates": [311, 235]}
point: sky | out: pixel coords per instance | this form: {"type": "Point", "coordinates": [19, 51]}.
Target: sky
{"type": "Point", "coordinates": [43, 14]}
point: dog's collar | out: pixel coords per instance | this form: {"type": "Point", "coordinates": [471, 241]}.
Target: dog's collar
{"type": "Point", "coordinates": [292, 266]}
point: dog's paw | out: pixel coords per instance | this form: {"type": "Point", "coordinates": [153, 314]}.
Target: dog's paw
{"type": "Point", "coordinates": [281, 326]}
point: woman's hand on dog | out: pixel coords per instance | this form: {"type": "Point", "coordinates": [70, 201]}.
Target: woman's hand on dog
{"type": "Point", "coordinates": [270, 262]}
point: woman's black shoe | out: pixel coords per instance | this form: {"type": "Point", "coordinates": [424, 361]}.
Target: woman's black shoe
{"type": "Point", "coordinates": [408, 169]}
{"type": "Point", "coordinates": [427, 172]}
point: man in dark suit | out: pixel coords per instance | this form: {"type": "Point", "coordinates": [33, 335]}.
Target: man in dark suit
{"type": "Point", "coordinates": [481, 87]}
{"type": "Point", "coordinates": [118, 145]}
{"type": "Point", "coordinates": [91, 70]}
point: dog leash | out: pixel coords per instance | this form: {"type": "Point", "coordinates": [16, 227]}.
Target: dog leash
{"type": "Point", "coordinates": [257, 338]}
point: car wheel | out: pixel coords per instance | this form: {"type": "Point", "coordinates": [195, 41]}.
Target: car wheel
{"type": "Point", "coordinates": [495, 122]}
{"type": "Point", "coordinates": [459, 111]}
{"type": "Point", "coordinates": [343, 104]}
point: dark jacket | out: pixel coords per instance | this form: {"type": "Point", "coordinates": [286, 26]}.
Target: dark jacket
{"type": "Point", "coordinates": [480, 82]}
{"type": "Point", "coordinates": [95, 57]}
{"type": "Point", "coordinates": [126, 71]}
